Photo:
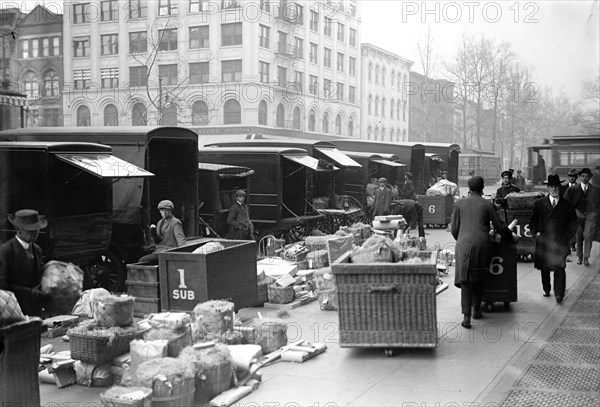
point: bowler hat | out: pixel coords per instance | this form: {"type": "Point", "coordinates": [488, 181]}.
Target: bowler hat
{"type": "Point", "coordinates": [408, 174]}
{"type": "Point", "coordinates": [572, 172]}
{"type": "Point", "coordinates": [28, 219]}
{"type": "Point", "coordinates": [508, 173]}
{"type": "Point", "coordinates": [166, 204]}
{"type": "Point", "coordinates": [240, 192]}
{"type": "Point", "coordinates": [554, 180]}
{"type": "Point", "coordinates": [382, 179]}
{"type": "Point", "coordinates": [476, 183]}
{"type": "Point", "coordinates": [586, 171]}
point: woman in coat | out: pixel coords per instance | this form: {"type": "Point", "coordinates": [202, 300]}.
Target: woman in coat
{"type": "Point", "coordinates": [470, 226]}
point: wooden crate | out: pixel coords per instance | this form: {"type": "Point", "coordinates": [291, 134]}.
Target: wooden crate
{"type": "Point", "coordinates": [437, 210]}
{"type": "Point", "coordinates": [144, 306]}
{"type": "Point", "coordinates": [387, 305]}
{"type": "Point", "coordinates": [145, 290]}
{"type": "Point", "coordinates": [142, 273]}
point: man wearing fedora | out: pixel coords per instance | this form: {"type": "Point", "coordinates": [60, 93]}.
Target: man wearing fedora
{"type": "Point", "coordinates": [383, 198]}
{"type": "Point", "coordinates": [21, 262]}
{"type": "Point", "coordinates": [585, 197]}
{"type": "Point", "coordinates": [167, 233]}
{"type": "Point", "coordinates": [407, 190]}
{"type": "Point", "coordinates": [240, 226]}
{"type": "Point", "coordinates": [552, 223]}
{"type": "Point", "coordinates": [572, 175]}
{"type": "Point", "coordinates": [506, 188]}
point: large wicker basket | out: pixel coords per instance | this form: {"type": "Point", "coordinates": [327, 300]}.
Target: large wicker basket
{"type": "Point", "coordinates": [280, 295]}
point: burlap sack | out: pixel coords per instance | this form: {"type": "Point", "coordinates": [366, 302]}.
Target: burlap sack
{"type": "Point", "coordinates": [63, 281]}
{"type": "Point", "coordinates": [10, 310]}
{"type": "Point", "coordinates": [85, 305]}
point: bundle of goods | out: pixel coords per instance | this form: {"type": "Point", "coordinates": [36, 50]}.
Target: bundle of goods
{"type": "Point", "coordinates": [213, 370]}
{"type": "Point", "coordinates": [177, 339]}
{"type": "Point", "coordinates": [112, 310]}
{"type": "Point", "coordinates": [63, 282]}
{"type": "Point", "coordinates": [318, 258]}
{"type": "Point", "coordinates": [213, 319]}
{"type": "Point", "coordinates": [171, 381]}
{"type": "Point", "coordinates": [337, 247]}
{"type": "Point", "coordinates": [522, 200]}
{"type": "Point", "coordinates": [269, 333]}
{"type": "Point", "coordinates": [359, 230]}
{"type": "Point", "coordinates": [295, 252]}
{"type": "Point", "coordinates": [94, 343]}
{"type": "Point", "coordinates": [375, 249]}
{"type": "Point", "coordinates": [444, 188]}
{"type": "Point", "coordinates": [313, 243]}
{"type": "Point", "coordinates": [10, 311]}
{"type": "Point", "coordinates": [85, 305]}
{"type": "Point", "coordinates": [91, 375]}
{"type": "Point", "coordinates": [126, 397]}
{"type": "Point", "coordinates": [141, 351]}
{"type": "Point", "coordinates": [209, 248]}
{"type": "Point", "coordinates": [325, 284]}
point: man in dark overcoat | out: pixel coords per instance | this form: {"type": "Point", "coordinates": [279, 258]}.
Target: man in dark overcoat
{"type": "Point", "coordinates": [407, 189]}
{"type": "Point", "coordinates": [240, 226]}
{"type": "Point", "coordinates": [412, 211]}
{"type": "Point", "coordinates": [553, 221]}
{"type": "Point", "coordinates": [383, 198]}
{"type": "Point", "coordinates": [470, 226]}
{"type": "Point", "coordinates": [506, 188]}
{"type": "Point", "coordinates": [21, 262]}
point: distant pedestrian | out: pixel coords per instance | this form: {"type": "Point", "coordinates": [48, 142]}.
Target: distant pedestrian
{"type": "Point", "coordinates": [167, 233]}
{"type": "Point", "coordinates": [506, 188]}
{"type": "Point", "coordinates": [553, 222]}
{"type": "Point", "coordinates": [520, 180]}
{"type": "Point", "coordinates": [470, 226]}
{"type": "Point", "coordinates": [240, 225]}
{"type": "Point", "coordinates": [572, 174]}
{"type": "Point", "coordinates": [407, 189]}
{"type": "Point", "coordinates": [383, 198]}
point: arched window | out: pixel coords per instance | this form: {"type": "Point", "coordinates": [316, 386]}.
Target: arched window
{"type": "Point", "coordinates": [111, 116]}
{"type": "Point", "coordinates": [51, 87]}
{"type": "Point", "coordinates": [350, 127]}
{"type": "Point", "coordinates": [280, 115]}
{"type": "Point", "coordinates": [297, 122]}
{"type": "Point", "coordinates": [169, 116]}
{"type": "Point", "coordinates": [404, 84]}
{"type": "Point", "coordinates": [398, 110]}
{"type": "Point", "coordinates": [392, 107]}
{"type": "Point", "coordinates": [83, 116]}
{"type": "Point", "coordinates": [139, 115]}
{"type": "Point", "coordinates": [383, 72]}
{"type": "Point", "coordinates": [383, 134]}
{"type": "Point", "coordinates": [392, 78]}
{"type": "Point", "coordinates": [383, 107]}
{"type": "Point", "coordinates": [232, 112]}
{"type": "Point", "coordinates": [376, 133]}
{"type": "Point", "coordinates": [377, 75]}
{"type": "Point", "coordinates": [32, 86]}
{"type": "Point", "coordinates": [370, 104]}
{"type": "Point", "coordinates": [325, 123]}
{"type": "Point", "coordinates": [404, 138]}
{"type": "Point", "coordinates": [338, 124]}
{"type": "Point", "coordinates": [369, 132]}
{"type": "Point", "coordinates": [262, 113]}
{"type": "Point", "coordinates": [377, 106]}
{"type": "Point", "coordinates": [311, 121]}
{"type": "Point", "coordinates": [404, 111]}
{"type": "Point", "coordinates": [399, 84]}
{"type": "Point", "coordinates": [392, 134]}
{"type": "Point", "coordinates": [370, 72]}
{"type": "Point", "coordinates": [199, 113]}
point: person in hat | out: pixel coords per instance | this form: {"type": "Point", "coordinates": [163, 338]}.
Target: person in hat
{"type": "Point", "coordinates": [470, 227]}
{"type": "Point", "coordinates": [167, 233]}
{"type": "Point", "coordinates": [586, 199]}
{"type": "Point", "coordinates": [240, 226]}
{"type": "Point", "coordinates": [519, 180]}
{"type": "Point", "coordinates": [553, 222]}
{"type": "Point", "coordinates": [21, 262]}
{"type": "Point", "coordinates": [572, 175]}
{"type": "Point", "coordinates": [407, 189]}
{"type": "Point", "coordinates": [506, 188]}
{"type": "Point", "coordinates": [596, 176]}
{"type": "Point", "coordinates": [412, 211]}
{"type": "Point", "coordinates": [383, 198]}
{"type": "Point", "coordinates": [444, 174]}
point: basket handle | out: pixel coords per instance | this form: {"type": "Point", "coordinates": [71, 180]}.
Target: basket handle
{"type": "Point", "coordinates": [383, 288]}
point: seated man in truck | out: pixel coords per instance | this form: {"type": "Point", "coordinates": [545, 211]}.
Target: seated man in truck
{"type": "Point", "coordinates": [167, 234]}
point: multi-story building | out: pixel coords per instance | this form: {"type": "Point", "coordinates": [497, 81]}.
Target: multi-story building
{"type": "Point", "coordinates": [282, 64]}
{"type": "Point", "coordinates": [11, 101]}
{"type": "Point", "coordinates": [384, 100]}
{"type": "Point", "coordinates": [40, 66]}
{"type": "Point", "coordinates": [431, 109]}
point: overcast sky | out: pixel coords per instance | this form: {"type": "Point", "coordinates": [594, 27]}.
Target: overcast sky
{"type": "Point", "coordinates": [558, 39]}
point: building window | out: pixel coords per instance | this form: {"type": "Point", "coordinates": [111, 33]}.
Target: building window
{"type": "Point", "coordinates": [55, 46]}
{"type": "Point", "coordinates": [314, 20]}
{"type": "Point", "coordinates": [265, 6]}
{"type": "Point", "coordinates": [168, 116]}
{"type": "Point", "coordinates": [110, 10]}
{"type": "Point", "coordinates": [280, 116]}
{"type": "Point", "coordinates": [369, 132]}
{"type": "Point", "coordinates": [109, 77]}
{"type": "Point", "coordinates": [139, 115]}
{"type": "Point", "coordinates": [353, 37]}
{"type": "Point", "coordinates": [352, 10]}
{"type": "Point", "coordinates": [392, 76]}
{"type": "Point", "coordinates": [200, 113]}
{"type": "Point", "coordinates": [383, 73]}
{"type": "Point", "coordinates": [52, 117]}
{"type": "Point", "coordinates": [327, 90]}
{"type": "Point", "coordinates": [370, 104]}
{"type": "Point", "coordinates": [297, 119]}
{"type": "Point", "coordinates": [138, 42]}
{"type": "Point", "coordinates": [167, 7]}
{"type": "Point", "coordinates": [81, 78]}
{"type": "Point", "coordinates": [398, 110]}
{"type": "Point", "coordinates": [282, 45]}
{"type": "Point", "coordinates": [377, 75]}
{"type": "Point", "coordinates": [383, 107]}
{"type": "Point", "coordinates": [281, 76]}
{"type": "Point", "coordinates": [167, 39]}
{"type": "Point", "coordinates": [51, 85]}
{"type": "Point", "coordinates": [35, 48]}
{"type": "Point", "coordinates": [341, 34]}
{"type": "Point", "coordinates": [327, 57]}
{"type": "Point", "coordinates": [392, 107]}
{"type": "Point", "coordinates": [311, 121]}
{"type": "Point", "coordinates": [81, 13]}
{"type": "Point", "coordinates": [327, 27]}
{"type": "Point", "coordinates": [138, 9]}
{"type": "Point", "coordinates": [299, 47]}
{"type": "Point", "coordinates": [351, 94]}
{"type": "Point", "coordinates": [196, 6]}
{"type": "Point", "coordinates": [299, 80]}
{"type": "Point", "coordinates": [340, 62]}
{"type": "Point", "coordinates": [138, 76]}
{"type": "Point", "coordinates": [81, 46]}
{"type": "Point", "coordinates": [314, 53]}
{"type": "Point", "coordinates": [338, 124]}
{"type": "Point", "coordinates": [383, 134]}
{"type": "Point", "coordinates": [313, 86]}
{"type": "Point", "coordinates": [370, 72]}
{"type": "Point", "coordinates": [168, 74]}
{"type": "Point", "coordinates": [352, 66]}
{"type": "Point", "coordinates": [199, 72]}
{"type": "Point", "coordinates": [46, 47]}
{"type": "Point", "coordinates": [226, 4]}
{"type": "Point", "coordinates": [83, 116]}
{"type": "Point", "coordinates": [32, 86]}
{"type": "Point", "coordinates": [231, 34]}
{"type": "Point", "coordinates": [110, 44]}
{"type": "Point", "coordinates": [111, 116]}
{"type": "Point", "coordinates": [24, 49]}
{"type": "Point", "coordinates": [264, 36]}
{"type": "Point", "coordinates": [340, 91]}
{"type": "Point", "coordinates": [376, 133]}
{"type": "Point", "coordinates": [404, 111]}
{"type": "Point", "coordinates": [231, 71]}
{"type": "Point", "coordinates": [199, 37]}
{"type": "Point", "coordinates": [376, 105]}
{"type": "Point", "coordinates": [404, 138]}
{"type": "Point", "coordinates": [232, 112]}
{"type": "Point", "coordinates": [325, 122]}
{"type": "Point", "coordinates": [399, 83]}
{"type": "Point", "coordinates": [350, 127]}
{"type": "Point", "coordinates": [263, 71]}
{"type": "Point", "coordinates": [262, 113]}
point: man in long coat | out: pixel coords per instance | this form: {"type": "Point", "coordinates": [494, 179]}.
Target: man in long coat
{"type": "Point", "coordinates": [470, 226]}
{"type": "Point", "coordinates": [553, 221]}
{"type": "Point", "coordinates": [383, 198]}
{"type": "Point", "coordinates": [240, 226]}
{"type": "Point", "coordinates": [407, 189]}
{"type": "Point", "coordinates": [412, 211]}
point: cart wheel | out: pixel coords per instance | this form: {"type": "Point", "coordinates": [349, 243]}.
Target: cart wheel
{"type": "Point", "coordinates": [389, 352]}
{"type": "Point", "coordinates": [506, 304]}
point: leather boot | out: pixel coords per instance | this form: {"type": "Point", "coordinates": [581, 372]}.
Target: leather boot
{"type": "Point", "coordinates": [466, 323]}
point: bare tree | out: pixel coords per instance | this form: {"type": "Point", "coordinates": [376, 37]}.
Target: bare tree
{"type": "Point", "coordinates": [428, 57]}
{"type": "Point", "coordinates": [459, 74]}
{"type": "Point", "coordinates": [586, 117]}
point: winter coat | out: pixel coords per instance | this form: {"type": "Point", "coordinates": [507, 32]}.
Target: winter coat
{"type": "Point", "coordinates": [169, 234]}
{"type": "Point", "coordinates": [407, 190]}
{"type": "Point", "coordinates": [383, 199]}
{"type": "Point", "coordinates": [240, 226]}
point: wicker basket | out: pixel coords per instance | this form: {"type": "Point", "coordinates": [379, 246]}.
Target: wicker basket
{"type": "Point", "coordinates": [280, 295]}
{"type": "Point", "coordinates": [522, 200]}
{"type": "Point", "coordinates": [113, 397]}
{"type": "Point", "coordinates": [113, 311]}
{"type": "Point", "coordinates": [94, 344]}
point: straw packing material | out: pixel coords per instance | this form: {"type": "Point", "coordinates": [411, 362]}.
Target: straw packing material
{"type": "Point", "coordinates": [91, 375]}
{"type": "Point", "coordinates": [214, 318]}
{"type": "Point", "coordinates": [171, 381]}
{"type": "Point", "coordinates": [213, 368]}
{"type": "Point", "coordinates": [177, 339]}
{"type": "Point", "coordinates": [63, 281]}
{"type": "Point", "coordinates": [317, 242]}
{"type": "Point", "coordinates": [112, 310]}
{"type": "Point", "coordinates": [10, 311]}
{"type": "Point", "coordinates": [126, 397]}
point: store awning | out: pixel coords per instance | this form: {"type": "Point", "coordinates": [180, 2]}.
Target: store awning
{"type": "Point", "coordinates": [338, 157]}
{"type": "Point", "coordinates": [387, 162]}
{"type": "Point", "coordinates": [104, 165]}
{"type": "Point", "coordinates": [308, 162]}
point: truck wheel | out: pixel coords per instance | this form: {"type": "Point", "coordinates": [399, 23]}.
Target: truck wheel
{"type": "Point", "coordinates": [107, 271]}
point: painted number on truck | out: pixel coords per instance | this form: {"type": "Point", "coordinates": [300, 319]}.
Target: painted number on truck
{"type": "Point", "coordinates": [182, 293]}
{"type": "Point", "coordinates": [431, 208]}
{"type": "Point", "coordinates": [496, 266]}
{"type": "Point", "coordinates": [526, 231]}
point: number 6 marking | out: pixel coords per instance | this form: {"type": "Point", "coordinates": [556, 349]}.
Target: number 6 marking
{"type": "Point", "coordinates": [431, 208]}
{"type": "Point", "coordinates": [496, 268]}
